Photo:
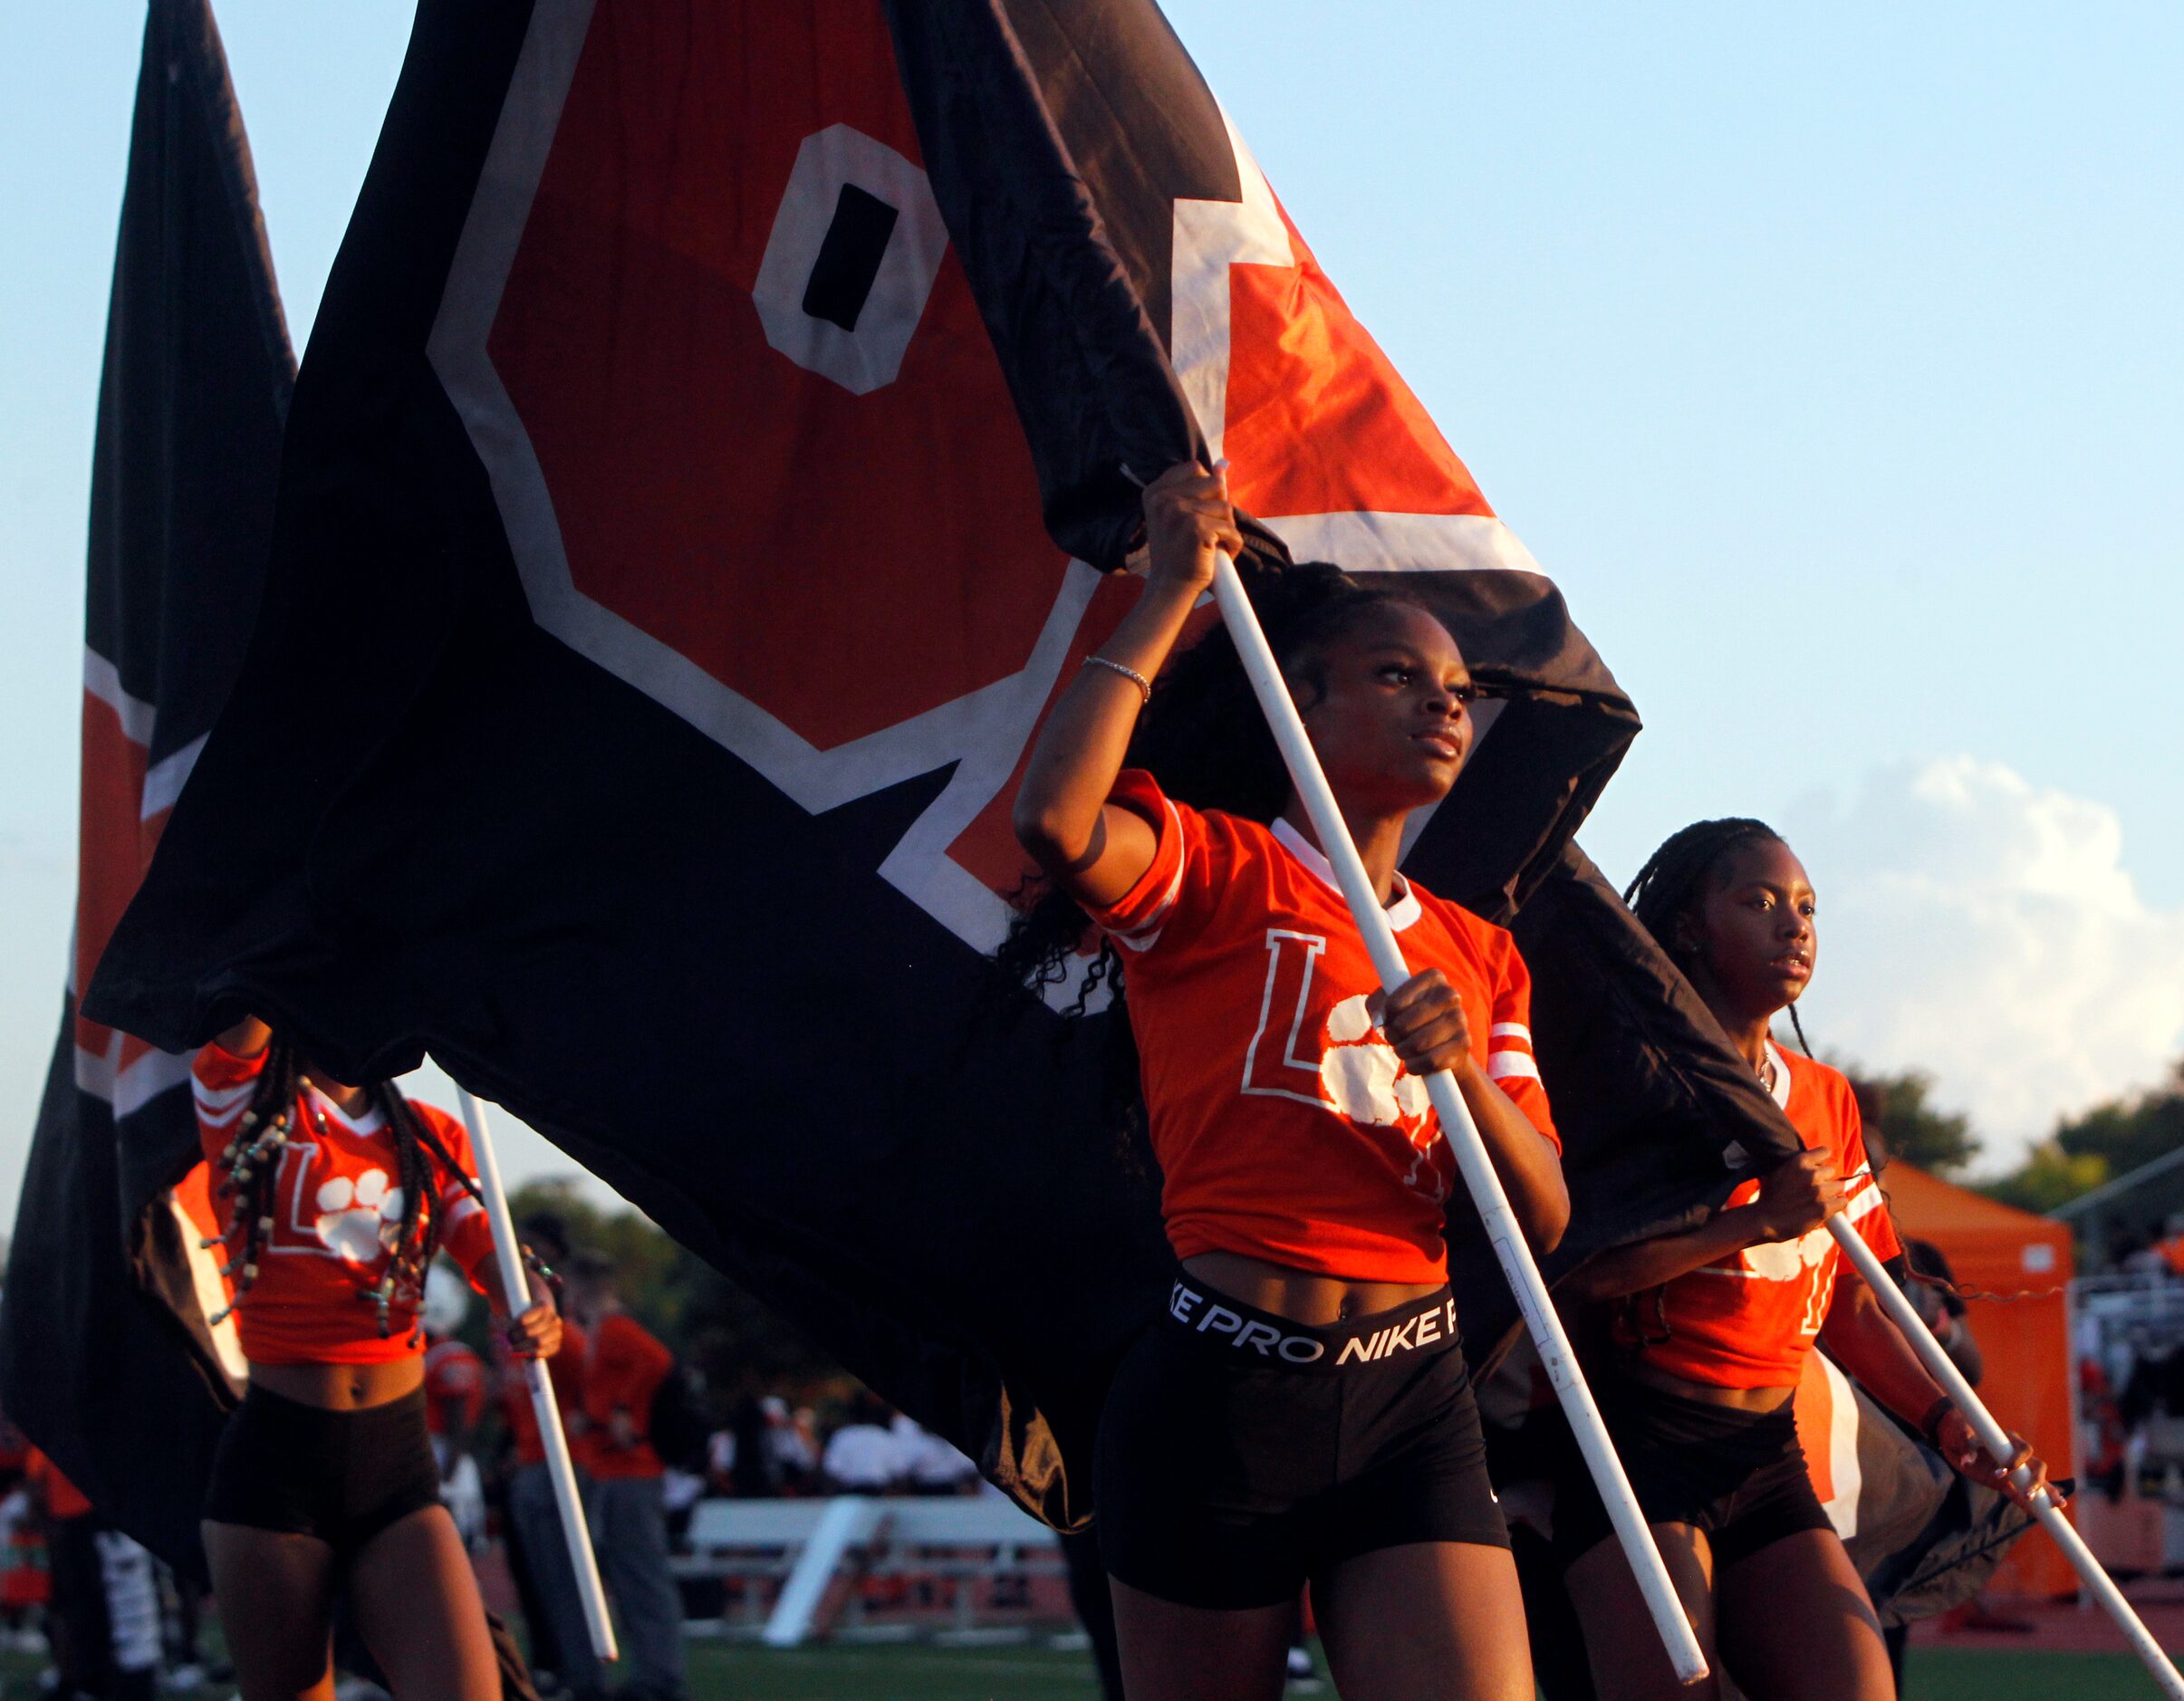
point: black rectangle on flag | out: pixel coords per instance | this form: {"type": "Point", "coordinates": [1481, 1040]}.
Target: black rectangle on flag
{"type": "Point", "coordinates": [849, 259]}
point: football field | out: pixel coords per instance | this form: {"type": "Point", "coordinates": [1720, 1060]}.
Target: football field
{"type": "Point", "coordinates": [916, 1673]}
{"type": "Point", "coordinates": [923, 1672]}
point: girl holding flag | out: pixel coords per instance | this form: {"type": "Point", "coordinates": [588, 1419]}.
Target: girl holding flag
{"type": "Point", "coordinates": [1300, 1410]}
{"type": "Point", "coordinates": [1710, 1329]}
{"type": "Point", "coordinates": [334, 1200]}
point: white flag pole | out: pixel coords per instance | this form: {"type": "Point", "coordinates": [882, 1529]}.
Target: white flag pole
{"type": "Point", "coordinates": [560, 1467]}
{"type": "Point", "coordinates": [1992, 1437]}
{"type": "Point", "coordinates": [1462, 1134]}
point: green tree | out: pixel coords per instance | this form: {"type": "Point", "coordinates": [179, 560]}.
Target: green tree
{"type": "Point", "coordinates": [2128, 1132]}
{"type": "Point", "coordinates": [2049, 1176]}
{"type": "Point", "coordinates": [2109, 1140]}
{"type": "Point", "coordinates": [1899, 1108]}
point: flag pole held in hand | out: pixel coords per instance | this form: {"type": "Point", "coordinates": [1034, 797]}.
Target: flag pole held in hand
{"type": "Point", "coordinates": [1462, 1133]}
{"type": "Point", "coordinates": [560, 1467]}
{"type": "Point", "coordinates": [1997, 1441]}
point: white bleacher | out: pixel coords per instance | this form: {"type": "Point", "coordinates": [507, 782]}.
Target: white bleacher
{"type": "Point", "coordinates": [752, 1542]}
{"type": "Point", "coordinates": [966, 1541]}
{"type": "Point", "coordinates": [786, 1554]}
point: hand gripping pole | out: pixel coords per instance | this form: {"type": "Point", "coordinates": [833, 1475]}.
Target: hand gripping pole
{"type": "Point", "coordinates": [1992, 1437]}
{"type": "Point", "coordinates": [560, 1467]}
{"type": "Point", "coordinates": [1462, 1134]}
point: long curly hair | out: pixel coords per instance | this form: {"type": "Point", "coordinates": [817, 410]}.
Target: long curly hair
{"type": "Point", "coordinates": [1204, 738]}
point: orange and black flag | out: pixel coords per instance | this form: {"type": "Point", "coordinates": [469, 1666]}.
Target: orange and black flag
{"type": "Point", "coordinates": [721, 428]}
{"type": "Point", "coordinates": [107, 1360]}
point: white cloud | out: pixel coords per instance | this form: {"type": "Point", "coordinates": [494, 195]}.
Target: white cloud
{"type": "Point", "coordinates": [1987, 931]}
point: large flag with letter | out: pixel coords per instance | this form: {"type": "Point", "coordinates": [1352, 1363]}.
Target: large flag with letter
{"type": "Point", "coordinates": [716, 429]}
{"type": "Point", "coordinates": [107, 1360]}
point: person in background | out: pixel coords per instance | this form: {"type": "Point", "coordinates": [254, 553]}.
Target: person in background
{"type": "Point", "coordinates": [103, 1617]}
{"type": "Point", "coordinates": [741, 1458]}
{"type": "Point", "coordinates": [24, 1582]}
{"type": "Point", "coordinates": [455, 1401]}
{"type": "Point", "coordinates": [2144, 1255]}
{"type": "Point", "coordinates": [929, 1464]}
{"type": "Point", "coordinates": [2170, 1246]}
{"type": "Point", "coordinates": [724, 1448]}
{"type": "Point", "coordinates": [521, 1460]}
{"type": "Point", "coordinates": [789, 1439]}
{"type": "Point", "coordinates": [864, 1457]}
{"type": "Point", "coordinates": [1931, 1285]}
{"type": "Point", "coordinates": [625, 1365]}
{"type": "Point", "coordinates": [561, 1644]}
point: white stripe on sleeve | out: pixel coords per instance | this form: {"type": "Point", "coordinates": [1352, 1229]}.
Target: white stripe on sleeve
{"type": "Point", "coordinates": [1147, 933]}
{"type": "Point", "coordinates": [1502, 1065]}
{"type": "Point", "coordinates": [219, 1106]}
{"type": "Point", "coordinates": [461, 1207]}
{"type": "Point", "coordinates": [220, 1097]}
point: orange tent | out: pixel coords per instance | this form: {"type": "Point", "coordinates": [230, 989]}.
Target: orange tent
{"type": "Point", "coordinates": [2025, 1343]}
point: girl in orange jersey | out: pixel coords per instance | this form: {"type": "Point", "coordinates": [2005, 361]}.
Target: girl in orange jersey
{"type": "Point", "coordinates": [1710, 1330]}
{"type": "Point", "coordinates": [1299, 1410]}
{"type": "Point", "coordinates": [334, 1199]}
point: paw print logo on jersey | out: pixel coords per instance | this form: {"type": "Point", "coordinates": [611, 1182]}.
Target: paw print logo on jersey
{"type": "Point", "coordinates": [1797, 1260]}
{"type": "Point", "coordinates": [1367, 1082]}
{"type": "Point", "coordinates": [360, 1219]}
{"type": "Point", "coordinates": [1786, 1260]}
{"type": "Point", "coordinates": [1350, 1069]}
{"type": "Point", "coordinates": [1363, 1077]}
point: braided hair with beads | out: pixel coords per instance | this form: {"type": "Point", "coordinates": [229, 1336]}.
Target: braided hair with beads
{"type": "Point", "coordinates": [1672, 879]}
{"type": "Point", "coordinates": [1675, 874]}
{"type": "Point", "coordinates": [252, 1160]}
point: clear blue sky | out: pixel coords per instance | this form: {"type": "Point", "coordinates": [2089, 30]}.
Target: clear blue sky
{"type": "Point", "coordinates": [1830, 360]}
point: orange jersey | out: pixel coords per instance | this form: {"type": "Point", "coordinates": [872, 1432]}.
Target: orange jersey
{"type": "Point", "coordinates": [454, 1376]}
{"type": "Point", "coordinates": [337, 1208]}
{"type": "Point", "coordinates": [565, 1374]}
{"type": "Point", "coordinates": [1749, 1319]}
{"type": "Point", "coordinates": [1286, 1127]}
{"type": "Point", "coordinates": [623, 1369]}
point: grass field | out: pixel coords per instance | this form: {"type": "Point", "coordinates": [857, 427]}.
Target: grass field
{"type": "Point", "coordinates": [722, 1672]}
{"type": "Point", "coordinates": [1031, 1674]}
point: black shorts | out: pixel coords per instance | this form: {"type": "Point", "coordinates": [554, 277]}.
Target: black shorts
{"type": "Point", "coordinates": [342, 1477]}
{"type": "Point", "coordinates": [1738, 1475]}
{"type": "Point", "coordinates": [1242, 1454]}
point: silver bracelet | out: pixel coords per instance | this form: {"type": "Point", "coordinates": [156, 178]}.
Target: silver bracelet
{"type": "Point", "coordinates": [1130, 674]}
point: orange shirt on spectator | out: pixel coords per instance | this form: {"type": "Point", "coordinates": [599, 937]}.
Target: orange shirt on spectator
{"type": "Point", "coordinates": [623, 1369]}
{"type": "Point", "coordinates": [565, 1372]}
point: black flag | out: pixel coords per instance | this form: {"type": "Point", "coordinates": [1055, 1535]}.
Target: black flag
{"type": "Point", "coordinates": [714, 429]}
{"type": "Point", "coordinates": [107, 1361]}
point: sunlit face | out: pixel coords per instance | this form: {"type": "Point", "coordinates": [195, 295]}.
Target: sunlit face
{"type": "Point", "coordinates": [1392, 724]}
{"type": "Point", "coordinates": [1749, 942]}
